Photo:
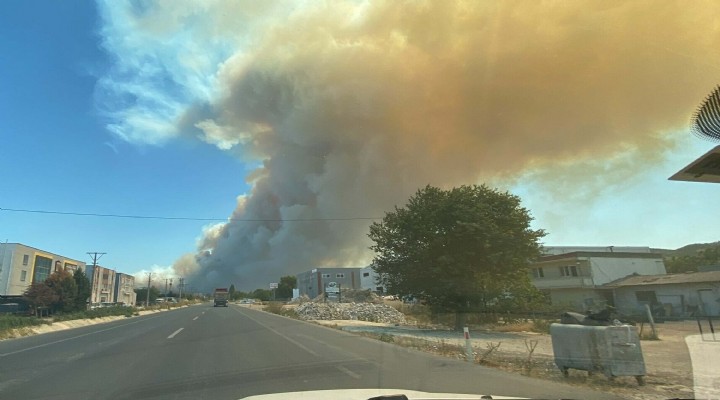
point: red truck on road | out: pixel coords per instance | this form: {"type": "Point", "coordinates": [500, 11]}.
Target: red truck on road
{"type": "Point", "coordinates": [221, 297]}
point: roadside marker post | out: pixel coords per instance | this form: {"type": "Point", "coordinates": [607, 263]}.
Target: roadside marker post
{"type": "Point", "coordinates": [468, 345]}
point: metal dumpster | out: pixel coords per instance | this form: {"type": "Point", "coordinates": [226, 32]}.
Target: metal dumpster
{"type": "Point", "coordinates": [611, 350]}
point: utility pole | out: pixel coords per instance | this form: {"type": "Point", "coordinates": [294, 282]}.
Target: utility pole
{"type": "Point", "coordinates": [95, 257]}
{"type": "Point", "coordinates": [147, 300]}
{"type": "Point", "coordinates": [171, 284]}
{"type": "Point", "coordinates": [93, 283]}
{"type": "Point", "coordinates": [166, 282]}
{"type": "Point", "coordinates": [180, 287]}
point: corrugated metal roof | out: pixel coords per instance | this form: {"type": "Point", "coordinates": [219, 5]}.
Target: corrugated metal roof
{"type": "Point", "coordinates": [590, 254]}
{"type": "Point", "coordinates": [640, 280]}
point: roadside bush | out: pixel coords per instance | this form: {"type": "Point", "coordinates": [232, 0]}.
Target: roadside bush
{"type": "Point", "coordinates": [95, 313]}
{"type": "Point", "coordinates": [274, 307]}
{"type": "Point", "coordinates": [542, 325]}
{"type": "Point", "coordinates": [8, 322]}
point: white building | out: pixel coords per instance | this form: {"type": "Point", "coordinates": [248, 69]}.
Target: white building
{"type": "Point", "coordinates": [677, 295]}
{"type": "Point", "coordinates": [102, 284]}
{"type": "Point", "coordinates": [21, 265]}
{"type": "Point", "coordinates": [125, 289]}
{"type": "Point", "coordinates": [574, 276]}
{"type": "Point", "coordinates": [313, 283]}
{"type": "Point", "coordinates": [369, 281]}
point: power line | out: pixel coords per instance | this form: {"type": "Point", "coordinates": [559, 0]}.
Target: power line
{"type": "Point", "coordinates": [160, 217]}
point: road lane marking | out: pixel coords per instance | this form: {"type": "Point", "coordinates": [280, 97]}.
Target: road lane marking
{"type": "Point", "coordinates": [347, 371]}
{"type": "Point", "coordinates": [75, 357]}
{"type": "Point", "coordinates": [196, 318]}
{"type": "Point", "coordinates": [76, 337]}
{"type": "Point", "coordinates": [175, 333]}
{"type": "Point", "coordinates": [289, 339]}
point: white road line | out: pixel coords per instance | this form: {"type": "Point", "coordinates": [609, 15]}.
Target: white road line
{"type": "Point", "coordinates": [347, 371]}
{"type": "Point", "coordinates": [175, 333]}
{"type": "Point", "coordinates": [196, 318]}
{"type": "Point", "coordinates": [289, 339]}
{"type": "Point", "coordinates": [75, 337]}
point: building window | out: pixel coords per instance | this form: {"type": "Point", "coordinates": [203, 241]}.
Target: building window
{"type": "Point", "coordinates": [366, 274]}
{"type": "Point", "coordinates": [339, 275]}
{"type": "Point", "coordinates": [26, 259]}
{"type": "Point", "coordinates": [646, 296]}
{"type": "Point", "coordinates": [41, 269]}
{"type": "Point", "coordinates": [569, 270]}
{"type": "Point", "coordinates": [538, 273]}
{"type": "Point", "coordinates": [325, 275]}
{"type": "Point", "coordinates": [23, 275]}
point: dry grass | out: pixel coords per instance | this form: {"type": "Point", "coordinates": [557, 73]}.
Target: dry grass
{"type": "Point", "coordinates": [516, 327]}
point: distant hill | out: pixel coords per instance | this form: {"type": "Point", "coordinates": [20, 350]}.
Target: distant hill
{"type": "Point", "coordinates": [687, 250]}
{"type": "Point", "coordinates": [690, 257]}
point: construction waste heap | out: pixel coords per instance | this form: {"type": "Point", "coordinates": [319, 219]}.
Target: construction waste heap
{"type": "Point", "coordinates": [357, 305]}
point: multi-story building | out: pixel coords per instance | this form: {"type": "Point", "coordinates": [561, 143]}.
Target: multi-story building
{"type": "Point", "coordinates": [102, 284]}
{"type": "Point", "coordinates": [574, 276]}
{"type": "Point", "coordinates": [369, 280]}
{"type": "Point", "coordinates": [22, 265]}
{"type": "Point", "coordinates": [313, 283]}
{"type": "Point", "coordinates": [125, 289]}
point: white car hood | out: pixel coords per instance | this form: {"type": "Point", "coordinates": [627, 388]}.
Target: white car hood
{"type": "Point", "coordinates": [364, 394]}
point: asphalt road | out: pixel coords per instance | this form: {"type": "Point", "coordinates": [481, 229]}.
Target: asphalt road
{"type": "Point", "coordinates": [201, 352]}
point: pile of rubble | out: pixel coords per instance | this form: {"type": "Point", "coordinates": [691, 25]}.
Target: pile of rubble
{"type": "Point", "coordinates": [353, 311]}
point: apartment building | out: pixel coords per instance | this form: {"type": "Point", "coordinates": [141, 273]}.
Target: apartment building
{"type": "Point", "coordinates": [102, 284]}
{"type": "Point", "coordinates": [22, 265]}
{"type": "Point", "coordinates": [125, 289]}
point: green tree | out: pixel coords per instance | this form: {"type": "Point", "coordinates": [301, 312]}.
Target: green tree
{"type": "Point", "coordinates": [83, 289]}
{"type": "Point", "coordinates": [285, 287]}
{"type": "Point", "coordinates": [261, 294]}
{"type": "Point", "coordinates": [63, 284]}
{"type": "Point", "coordinates": [232, 292]}
{"type": "Point", "coordinates": [690, 263]}
{"type": "Point", "coordinates": [40, 296]}
{"type": "Point", "coordinates": [142, 294]}
{"type": "Point", "coordinates": [462, 249]}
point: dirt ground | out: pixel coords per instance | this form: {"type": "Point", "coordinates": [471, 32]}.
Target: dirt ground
{"type": "Point", "coordinates": [670, 372]}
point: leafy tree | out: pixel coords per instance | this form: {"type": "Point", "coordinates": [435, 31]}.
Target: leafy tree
{"type": "Point", "coordinates": [64, 286]}
{"type": "Point", "coordinates": [231, 292]}
{"type": "Point", "coordinates": [285, 287]}
{"type": "Point", "coordinates": [40, 295]}
{"type": "Point", "coordinates": [261, 294]}
{"type": "Point", "coordinates": [241, 295]}
{"type": "Point", "coordinates": [142, 294]}
{"type": "Point", "coordinates": [690, 263]}
{"type": "Point", "coordinates": [462, 249]}
{"type": "Point", "coordinates": [83, 289]}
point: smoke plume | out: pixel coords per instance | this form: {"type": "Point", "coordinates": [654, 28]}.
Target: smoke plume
{"type": "Point", "coordinates": [347, 108]}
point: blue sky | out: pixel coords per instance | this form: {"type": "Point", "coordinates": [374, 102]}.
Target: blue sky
{"type": "Point", "coordinates": [58, 155]}
{"type": "Point", "coordinates": [91, 103]}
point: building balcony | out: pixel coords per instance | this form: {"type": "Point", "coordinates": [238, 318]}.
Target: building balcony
{"type": "Point", "coordinates": [566, 282]}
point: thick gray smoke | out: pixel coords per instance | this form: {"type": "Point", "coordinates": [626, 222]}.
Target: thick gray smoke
{"type": "Point", "coordinates": [348, 107]}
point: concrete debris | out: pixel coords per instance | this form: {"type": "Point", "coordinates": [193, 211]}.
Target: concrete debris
{"type": "Point", "coordinates": [360, 296]}
{"type": "Point", "coordinates": [302, 299]}
{"type": "Point", "coordinates": [351, 311]}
